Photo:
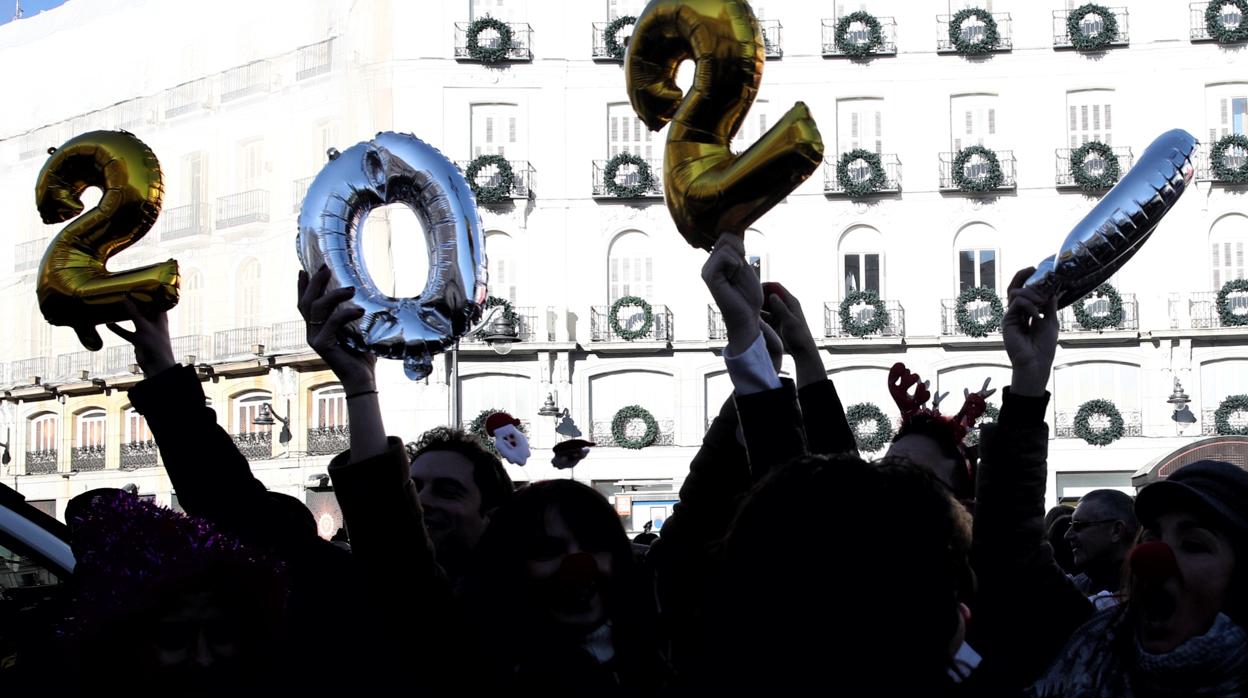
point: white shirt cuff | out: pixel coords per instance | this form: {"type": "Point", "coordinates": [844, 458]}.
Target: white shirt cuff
{"type": "Point", "coordinates": [752, 371]}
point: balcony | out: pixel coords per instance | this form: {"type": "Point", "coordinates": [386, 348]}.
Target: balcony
{"type": "Point", "coordinates": [1100, 308]}
{"type": "Point", "coordinates": [291, 335]}
{"type": "Point", "coordinates": [600, 432]}
{"type": "Point", "coordinates": [716, 331]}
{"type": "Point", "coordinates": [139, 454]}
{"type": "Point", "coordinates": [87, 458]}
{"type": "Point", "coordinates": [187, 98]}
{"type": "Point", "coordinates": [313, 60]}
{"type": "Point", "coordinates": [858, 34]}
{"type": "Point", "coordinates": [24, 372]}
{"type": "Point", "coordinates": [977, 168]}
{"type": "Point", "coordinates": [973, 30]}
{"type": "Point", "coordinates": [859, 171]}
{"type": "Point", "coordinates": [862, 313]}
{"type": "Point", "coordinates": [1209, 424]}
{"type": "Point", "coordinates": [599, 51]}
{"type": "Point", "coordinates": [255, 445]}
{"type": "Point", "coordinates": [627, 176]}
{"type": "Point", "coordinates": [633, 319]}
{"type": "Point", "coordinates": [1229, 17]}
{"type": "Point", "coordinates": [184, 222]}
{"type": "Point", "coordinates": [27, 255]}
{"type": "Point", "coordinates": [520, 48]}
{"type": "Point", "coordinates": [301, 192]}
{"type": "Point", "coordinates": [526, 327]}
{"type": "Point", "coordinates": [1090, 24]}
{"type": "Point", "coordinates": [1233, 158]}
{"type": "Point", "coordinates": [245, 80]}
{"type": "Point", "coordinates": [241, 341]}
{"type": "Point", "coordinates": [69, 367]}
{"type": "Point", "coordinates": [1132, 423]}
{"type": "Point", "coordinates": [1094, 165]}
{"type": "Point", "coordinates": [979, 313]}
{"type": "Point", "coordinates": [133, 114]}
{"type": "Point", "coordinates": [36, 143]}
{"type": "Point", "coordinates": [118, 360]}
{"type": "Point", "coordinates": [328, 441]}
{"type": "Point", "coordinates": [243, 208]}
{"type": "Point", "coordinates": [772, 47]}
{"type": "Point", "coordinates": [1203, 310]}
{"type": "Point", "coordinates": [192, 348]}
{"type": "Point", "coordinates": [44, 462]}
{"type": "Point", "coordinates": [522, 180]}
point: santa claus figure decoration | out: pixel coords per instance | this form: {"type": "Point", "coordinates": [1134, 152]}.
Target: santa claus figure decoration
{"type": "Point", "coordinates": [508, 439]}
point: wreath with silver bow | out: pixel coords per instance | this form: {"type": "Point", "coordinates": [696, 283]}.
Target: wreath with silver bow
{"type": "Point", "coordinates": [508, 313]}
{"type": "Point", "coordinates": [645, 176]}
{"type": "Point", "coordinates": [963, 317]}
{"type": "Point", "coordinates": [1088, 321]}
{"type": "Point", "coordinates": [488, 54]}
{"type": "Point", "coordinates": [1217, 157]}
{"type": "Point", "coordinates": [1221, 32]}
{"type": "Point", "coordinates": [966, 47]}
{"type": "Point", "coordinates": [1079, 39]}
{"type": "Point", "coordinates": [1102, 437]}
{"type": "Point", "coordinates": [853, 49]}
{"type": "Point", "coordinates": [854, 187]}
{"type": "Point", "coordinates": [1227, 317]}
{"type": "Point", "coordinates": [613, 317]}
{"type": "Point", "coordinates": [619, 427]}
{"type": "Point", "coordinates": [879, 319]}
{"type": "Point", "coordinates": [989, 181]}
{"type": "Point", "coordinates": [1079, 172]}
{"type": "Point", "coordinates": [867, 412]}
{"type": "Point", "coordinates": [611, 39]}
{"type": "Point", "coordinates": [1222, 416]}
{"type": "Point", "coordinates": [493, 193]}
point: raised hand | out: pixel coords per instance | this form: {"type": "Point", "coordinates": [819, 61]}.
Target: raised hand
{"type": "Point", "coordinates": [784, 314]}
{"type": "Point", "coordinates": [1030, 331]}
{"type": "Point", "coordinates": [736, 290]}
{"type": "Point", "coordinates": [153, 349]}
{"type": "Point", "coordinates": [325, 313]}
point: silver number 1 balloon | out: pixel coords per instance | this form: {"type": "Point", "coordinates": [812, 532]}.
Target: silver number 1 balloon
{"type": "Point", "coordinates": [1120, 224]}
{"type": "Point", "coordinates": [398, 168]}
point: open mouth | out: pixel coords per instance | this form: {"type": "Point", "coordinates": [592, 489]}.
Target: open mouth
{"type": "Point", "coordinates": [1157, 606]}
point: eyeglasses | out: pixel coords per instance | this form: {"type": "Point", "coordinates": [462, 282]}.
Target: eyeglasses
{"type": "Point", "coordinates": [1078, 526]}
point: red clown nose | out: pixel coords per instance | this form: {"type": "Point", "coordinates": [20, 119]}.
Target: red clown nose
{"type": "Point", "coordinates": [578, 569]}
{"type": "Point", "coordinates": [1153, 562]}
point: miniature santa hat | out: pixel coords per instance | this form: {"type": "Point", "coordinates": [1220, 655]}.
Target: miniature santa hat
{"type": "Point", "coordinates": [498, 420]}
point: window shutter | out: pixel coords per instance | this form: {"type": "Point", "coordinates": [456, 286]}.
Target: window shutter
{"type": "Point", "coordinates": [992, 121]}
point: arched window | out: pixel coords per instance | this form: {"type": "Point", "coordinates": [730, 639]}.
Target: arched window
{"type": "Point", "coordinates": [329, 407]}
{"type": "Point", "coordinates": [1089, 116]}
{"type": "Point", "coordinates": [495, 391]}
{"type": "Point", "coordinates": [1076, 384]}
{"type": "Point", "coordinates": [976, 256]}
{"type": "Point", "coordinates": [1218, 381]}
{"type": "Point", "coordinates": [651, 390]}
{"type": "Point", "coordinates": [247, 312]}
{"type": "Point", "coordinates": [862, 260]}
{"type": "Point", "coordinates": [136, 429]}
{"type": "Point", "coordinates": [1226, 243]}
{"type": "Point", "coordinates": [190, 308]}
{"type": "Point", "coordinates": [859, 124]}
{"type": "Point", "coordinates": [90, 428]}
{"type": "Point", "coordinates": [500, 251]}
{"type": "Point", "coordinates": [630, 267]}
{"type": "Point", "coordinates": [496, 131]}
{"type": "Point", "coordinates": [972, 118]}
{"type": "Point", "coordinates": [42, 434]}
{"type": "Point", "coordinates": [246, 409]}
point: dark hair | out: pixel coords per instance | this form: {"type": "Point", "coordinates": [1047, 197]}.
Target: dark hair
{"type": "Point", "coordinates": [1116, 505]}
{"type": "Point", "coordinates": [791, 564]}
{"type": "Point", "coordinates": [1056, 513]}
{"type": "Point", "coordinates": [962, 479]}
{"type": "Point", "coordinates": [487, 470]}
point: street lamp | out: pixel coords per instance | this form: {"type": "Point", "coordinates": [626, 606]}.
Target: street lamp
{"type": "Point", "coordinates": [1179, 399]}
{"type": "Point", "coordinates": [501, 335]}
{"type": "Point", "coordinates": [267, 418]}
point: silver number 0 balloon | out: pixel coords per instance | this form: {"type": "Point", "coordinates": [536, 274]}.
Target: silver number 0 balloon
{"type": "Point", "coordinates": [398, 168]}
{"type": "Point", "coordinates": [1120, 224]}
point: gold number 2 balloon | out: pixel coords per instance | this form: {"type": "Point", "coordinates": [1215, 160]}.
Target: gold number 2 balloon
{"type": "Point", "coordinates": [709, 189]}
{"type": "Point", "coordinates": [74, 287]}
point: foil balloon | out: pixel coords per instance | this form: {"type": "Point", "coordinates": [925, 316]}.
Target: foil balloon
{"type": "Point", "coordinates": [709, 189]}
{"type": "Point", "coordinates": [74, 287]}
{"type": "Point", "coordinates": [398, 168]}
{"type": "Point", "coordinates": [1121, 223]}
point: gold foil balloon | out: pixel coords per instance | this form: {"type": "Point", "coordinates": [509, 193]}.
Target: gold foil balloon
{"type": "Point", "coordinates": [709, 189]}
{"type": "Point", "coordinates": [74, 287]}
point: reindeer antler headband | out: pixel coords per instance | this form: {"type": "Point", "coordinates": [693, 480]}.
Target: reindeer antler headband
{"type": "Point", "coordinates": [900, 380]}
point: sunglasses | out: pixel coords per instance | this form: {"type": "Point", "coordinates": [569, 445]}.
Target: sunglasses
{"type": "Point", "coordinates": [1078, 526]}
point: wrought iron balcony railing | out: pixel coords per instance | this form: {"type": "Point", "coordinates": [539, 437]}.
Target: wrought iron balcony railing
{"type": "Point", "coordinates": [526, 326]}
{"type": "Point", "coordinates": [1234, 158]}
{"type": "Point", "coordinates": [192, 348]}
{"type": "Point", "coordinates": [1091, 25]}
{"type": "Point", "coordinates": [255, 445]}
{"type": "Point", "coordinates": [184, 221]}
{"type": "Point", "coordinates": [599, 51]}
{"type": "Point", "coordinates": [973, 31]}
{"type": "Point", "coordinates": [1230, 17]}
{"type": "Point", "coordinates": [601, 434]}
{"type": "Point", "coordinates": [521, 183]}
{"type": "Point", "coordinates": [978, 312]}
{"type": "Point", "coordinates": [520, 48]}
{"type": "Point", "coordinates": [631, 320]}
{"type": "Point", "coordinates": [859, 171]}
{"type": "Point", "coordinates": [328, 441]}
{"type": "Point", "coordinates": [289, 335]}
{"type": "Point", "coordinates": [23, 372]}
{"type": "Point", "coordinates": [1094, 165]}
{"type": "Point", "coordinates": [301, 191]}
{"type": "Point", "coordinates": [41, 462]}
{"type": "Point", "coordinates": [1100, 308]}
{"type": "Point", "coordinates": [245, 80]}
{"type": "Point", "coordinates": [69, 367]}
{"type": "Point", "coordinates": [1132, 423]}
{"type": "Point", "coordinates": [242, 208]}
{"type": "Point", "coordinates": [858, 34]}
{"type": "Point", "coordinates": [772, 48]}
{"type": "Point", "coordinates": [139, 454]}
{"type": "Point", "coordinates": [313, 60]}
{"type": "Point", "coordinates": [87, 458]}
{"type": "Point", "coordinates": [895, 327]}
{"type": "Point", "coordinates": [27, 255]}
{"type": "Point", "coordinates": [187, 98]}
{"type": "Point", "coordinates": [977, 168]}
{"type": "Point", "coordinates": [118, 360]}
{"type": "Point", "coordinates": [627, 177]}
{"type": "Point", "coordinates": [240, 341]}
{"type": "Point", "coordinates": [1203, 309]}
{"type": "Point", "coordinates": [716, 331]}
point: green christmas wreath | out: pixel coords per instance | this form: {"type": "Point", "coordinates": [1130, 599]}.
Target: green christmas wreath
{"type": "Point", "coordinates": [1219, 31]}
{"type": "Point", "coordinates": [854, 187]}
{"type": "Point", "coordinates": [963, 317]}
{"type": "Point", "coordinates": [488, 54]}
{"type": "Point", "coordinates": [1217, 157]}
{"type": "Point", "coordinates": [966, 47]}
{"type": "Point", "coordinates": [494, 193]}
{"type": "Point", "coordinates": [875, 35]}
{"type": "Point", "coordinates": [1088, 321]}
{"type": "Point", "coordinates": [611, 38]}
{"type": "Point", "coordinates": [991, 180]}
{"type": "Point", "coordinates": [1088, 182]}
{"type": "Point", "coordinates": [1227, 317]}
{"type": "Point", "coordinates": [477, 429]}
{"type": "Point", "coordinates": [865, 412]}
{"type": "Point", "coordinates": [1083, 42]}
{"type": "Point", "coordinates": [508, 313]}
{"type": "Point", "coordinates": [613, 317]}
{"type": "Point", "coordinates": [1228, 407]}
{"type": "Point", "coordinates": [621, 420]}
{"type": "Point", "coordinates": [879, 319]}
{"type": "Point", "coordinates": [990, 416]}
{"type": "Point", "coordinates": [645, 176]}
{"type": "Point", "coordinates": [1106, 436]}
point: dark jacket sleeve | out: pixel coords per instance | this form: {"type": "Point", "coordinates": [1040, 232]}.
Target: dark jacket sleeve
{"type": "Point", "coordinates": [771, 422]}
{"type": "Point", "coordinates": [827, 429]}
{"type": "Point", "coordinates": [1025, 607]}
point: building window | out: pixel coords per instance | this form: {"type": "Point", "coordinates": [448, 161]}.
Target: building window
{"type": "Point", "coordinates": [250, 164]}
{"type": "Point", "coordinates": [627, 133]}
{"type": "Point", "coordinates": [40, 334]}
{"type": "Point", "coordinates": [630, 267]}
{"type": "Point", "coordinates": [42, 433]}
{"type": "Point", "coordinates": [247, 313]}
{"type": "Point", "coordinates": [195, 179]}
{"type": "Point", "coordinates": [500, 251]}
{"type": "Point", "coordinates": [496, 130]}
{"type": "Point", "coordinates": [625, 8]}
{"type": "Point", "coordinates": [956, 6]}
{"type": "Point", "coordinates": [752, 128]}
{"type": "Point", "coordinates": [246, 409]}
{"type": "Point", "coordinates": [1075, 385]}
{"type": "Point", "coordinates": [329, 407]}
{"type": "Point", "coordinates": [976, 257]}
{"type": "Point", "coordinates": [137, 430]}
{"type": "Point", "coordinates": [862, 260]}
{"type": "Point", "coordinates": [1226, 245]}
{"type": "Point", "coordinates": [860, 124]}
{"type": "Point", "coordinates": [90, 433]}
{"type": "Point", "coordinates": [1089, 117]}
{"type": "Point", "coordinates": [1227, 110]}
{"type": "Point", "coordinates": [190, 308]}
{"type": "Point", "coordinates": [506, 10]}
{"type": "Point", "coordinates": [973, 121]}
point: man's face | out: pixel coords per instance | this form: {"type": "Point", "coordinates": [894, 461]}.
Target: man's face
{"type": "Point", "coordinates": [451, 501]}
{"type": "Point", "coordinates": [1091, 536]}
{"type": "Point", "coordinates": [924, 451]}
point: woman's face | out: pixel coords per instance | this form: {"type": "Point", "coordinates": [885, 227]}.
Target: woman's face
{"type": "Point", "coordinates": [569, 582]}
{"type": "Point", "coordinates": [1185, 605]}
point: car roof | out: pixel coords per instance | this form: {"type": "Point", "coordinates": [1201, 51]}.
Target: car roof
{"type": "Point", "coordinates": [34, 530]}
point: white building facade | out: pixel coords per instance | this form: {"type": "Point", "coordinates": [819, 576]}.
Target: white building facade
{"type": "Point", "coordinates": [240, 101]}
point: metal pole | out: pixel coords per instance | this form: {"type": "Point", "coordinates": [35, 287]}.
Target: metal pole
{"type": "Point", "coordinates": [453, 384]}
